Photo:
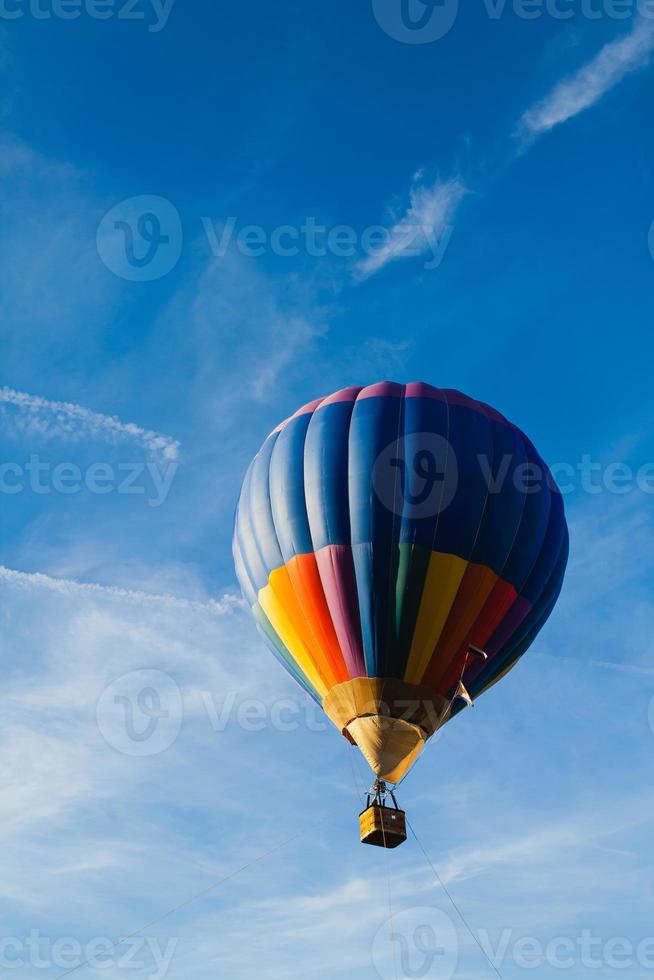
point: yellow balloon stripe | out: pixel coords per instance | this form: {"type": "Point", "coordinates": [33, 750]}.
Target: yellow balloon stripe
{"type": "Point", "coordinates": [475, 588]}
{"type": "Point", "coordinates": [279, 602]}
{"type": "Point", "coordinates": [442, 582]}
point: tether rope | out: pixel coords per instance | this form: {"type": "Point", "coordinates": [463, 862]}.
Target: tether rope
{"type": "Point", "coordinates": [453, 903]}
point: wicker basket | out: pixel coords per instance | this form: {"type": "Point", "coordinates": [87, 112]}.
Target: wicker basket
{"type": "Point", "coordinates": [383, 826]}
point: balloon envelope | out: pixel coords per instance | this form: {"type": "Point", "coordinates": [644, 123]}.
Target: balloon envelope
{"type": "Point", "coordinates": [382, 532]}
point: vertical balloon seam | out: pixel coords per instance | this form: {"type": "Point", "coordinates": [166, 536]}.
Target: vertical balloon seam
{"type": "Point", "coordinates": [282, 582]}
{"type": "Point", "coordinates": [389, 637]}
{"type": "Point", "coordinates": [522, 625]}
{"type": "Point", "coordinates": [540, 610]}
{"type": "Point", "coordinates": [495, 420]}
{"type": "Point", "coordinates": [470, 567]}
{"type": "Point", "coordinates": [537, 543]}
{"type": "Point", "coordinates": [272, 592]}
{"type": "Point", "coordinates": [555, 534]}
{"type": "Point", "coordinates": [417, 665]}
{"type": "Point", "coordinates": [451, 678]}
{"type": "Point", "coordinates": [323, 553]}
{"type": "Point", "coordinates": [517, 442]}
{"type": "Point", "coordinates": [461, 411]}
{"type": "Point", "coordinates": [266, 606]}
{"type": "Point", "coordinates": [319, 646]}
{"type": "Point", "coordinates": [355, 609]}
{"type": "Point", "coordinates": [517, 651]}
{"type": "Point", "coordinates": [412, 561]}
{"type": "Point", "coordinates": [273, 641]}
{"type": "Point", "coordinates": [319, 596]}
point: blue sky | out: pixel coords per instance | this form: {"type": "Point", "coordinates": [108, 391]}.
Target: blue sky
{"type": "Point", "coordinates": [517, 149]}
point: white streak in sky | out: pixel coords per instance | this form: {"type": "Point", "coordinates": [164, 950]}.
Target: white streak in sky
{"type": "Point", "coordinates": [426, 226]}
{"type": "Point", "coordinates": [69, 588]}
{"type": "Point", "coordinates": [587, 85]}
{"type": "Point", "coordinates": [64, 420]}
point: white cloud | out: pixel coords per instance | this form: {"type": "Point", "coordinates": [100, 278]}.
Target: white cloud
{"type": "Point", "coordinates": [64, 420]}
{"type": "Point", "coordinates": [125, 840]}
{"type": "Point", "coordinates": [424, 229]}
{"type": "Point", "coordinates": [566, 836]}
{"type": "Point", "coordinates": [77, 806]}
{"type": "Point", "coordinates": [294, 937]}
{"type": "Point", "coordinates": [46, 774]}
{"type": "Point", "coordinates": [586, 86]}
{"type": "Point", "coordinates": [563, 861]}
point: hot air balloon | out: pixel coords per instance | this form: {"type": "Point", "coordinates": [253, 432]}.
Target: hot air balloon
{"type": "Point", "coordinates": [400, 547]}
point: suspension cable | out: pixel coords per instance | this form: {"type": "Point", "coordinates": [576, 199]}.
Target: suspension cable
{"type": "Point", "coordinates": [390, 895]}
{"type": "Point", "coordinates": [206, 891]}
{"type": "Point", "coordinates": [357, 788]}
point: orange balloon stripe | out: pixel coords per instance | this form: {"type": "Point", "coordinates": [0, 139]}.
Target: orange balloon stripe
{"type": "Point", "coordinates": [284, 611]}
{"type": "Point", "coordinates": [305, 578]}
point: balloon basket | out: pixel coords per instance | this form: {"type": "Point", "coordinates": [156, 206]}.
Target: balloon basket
{"type": "Point", "coordinates": [382, 825]}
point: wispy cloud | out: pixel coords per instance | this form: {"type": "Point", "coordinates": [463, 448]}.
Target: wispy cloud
{"type": "Point", "coordinates": [587, 85]}
{"type": "Point", "coordinates": [296, 336]}
{"type": "Point", "coordinates": [424, 229]}
{"type": "Point", "coordinates": [426, 226]}
{"type": "Point", "coordinates": [265, 328]}
{"type": "Point", "coordinates": [537, 844]}
{"type": "Point", "coordinates": [70, 588]}
{"type": "Point", "coordinates": [64, 420]}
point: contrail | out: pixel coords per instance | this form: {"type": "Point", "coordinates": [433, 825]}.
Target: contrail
{"type": "Point", "coordinates": [64, 420]}
{"type": "Point", "coordinates": [68, 587]}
